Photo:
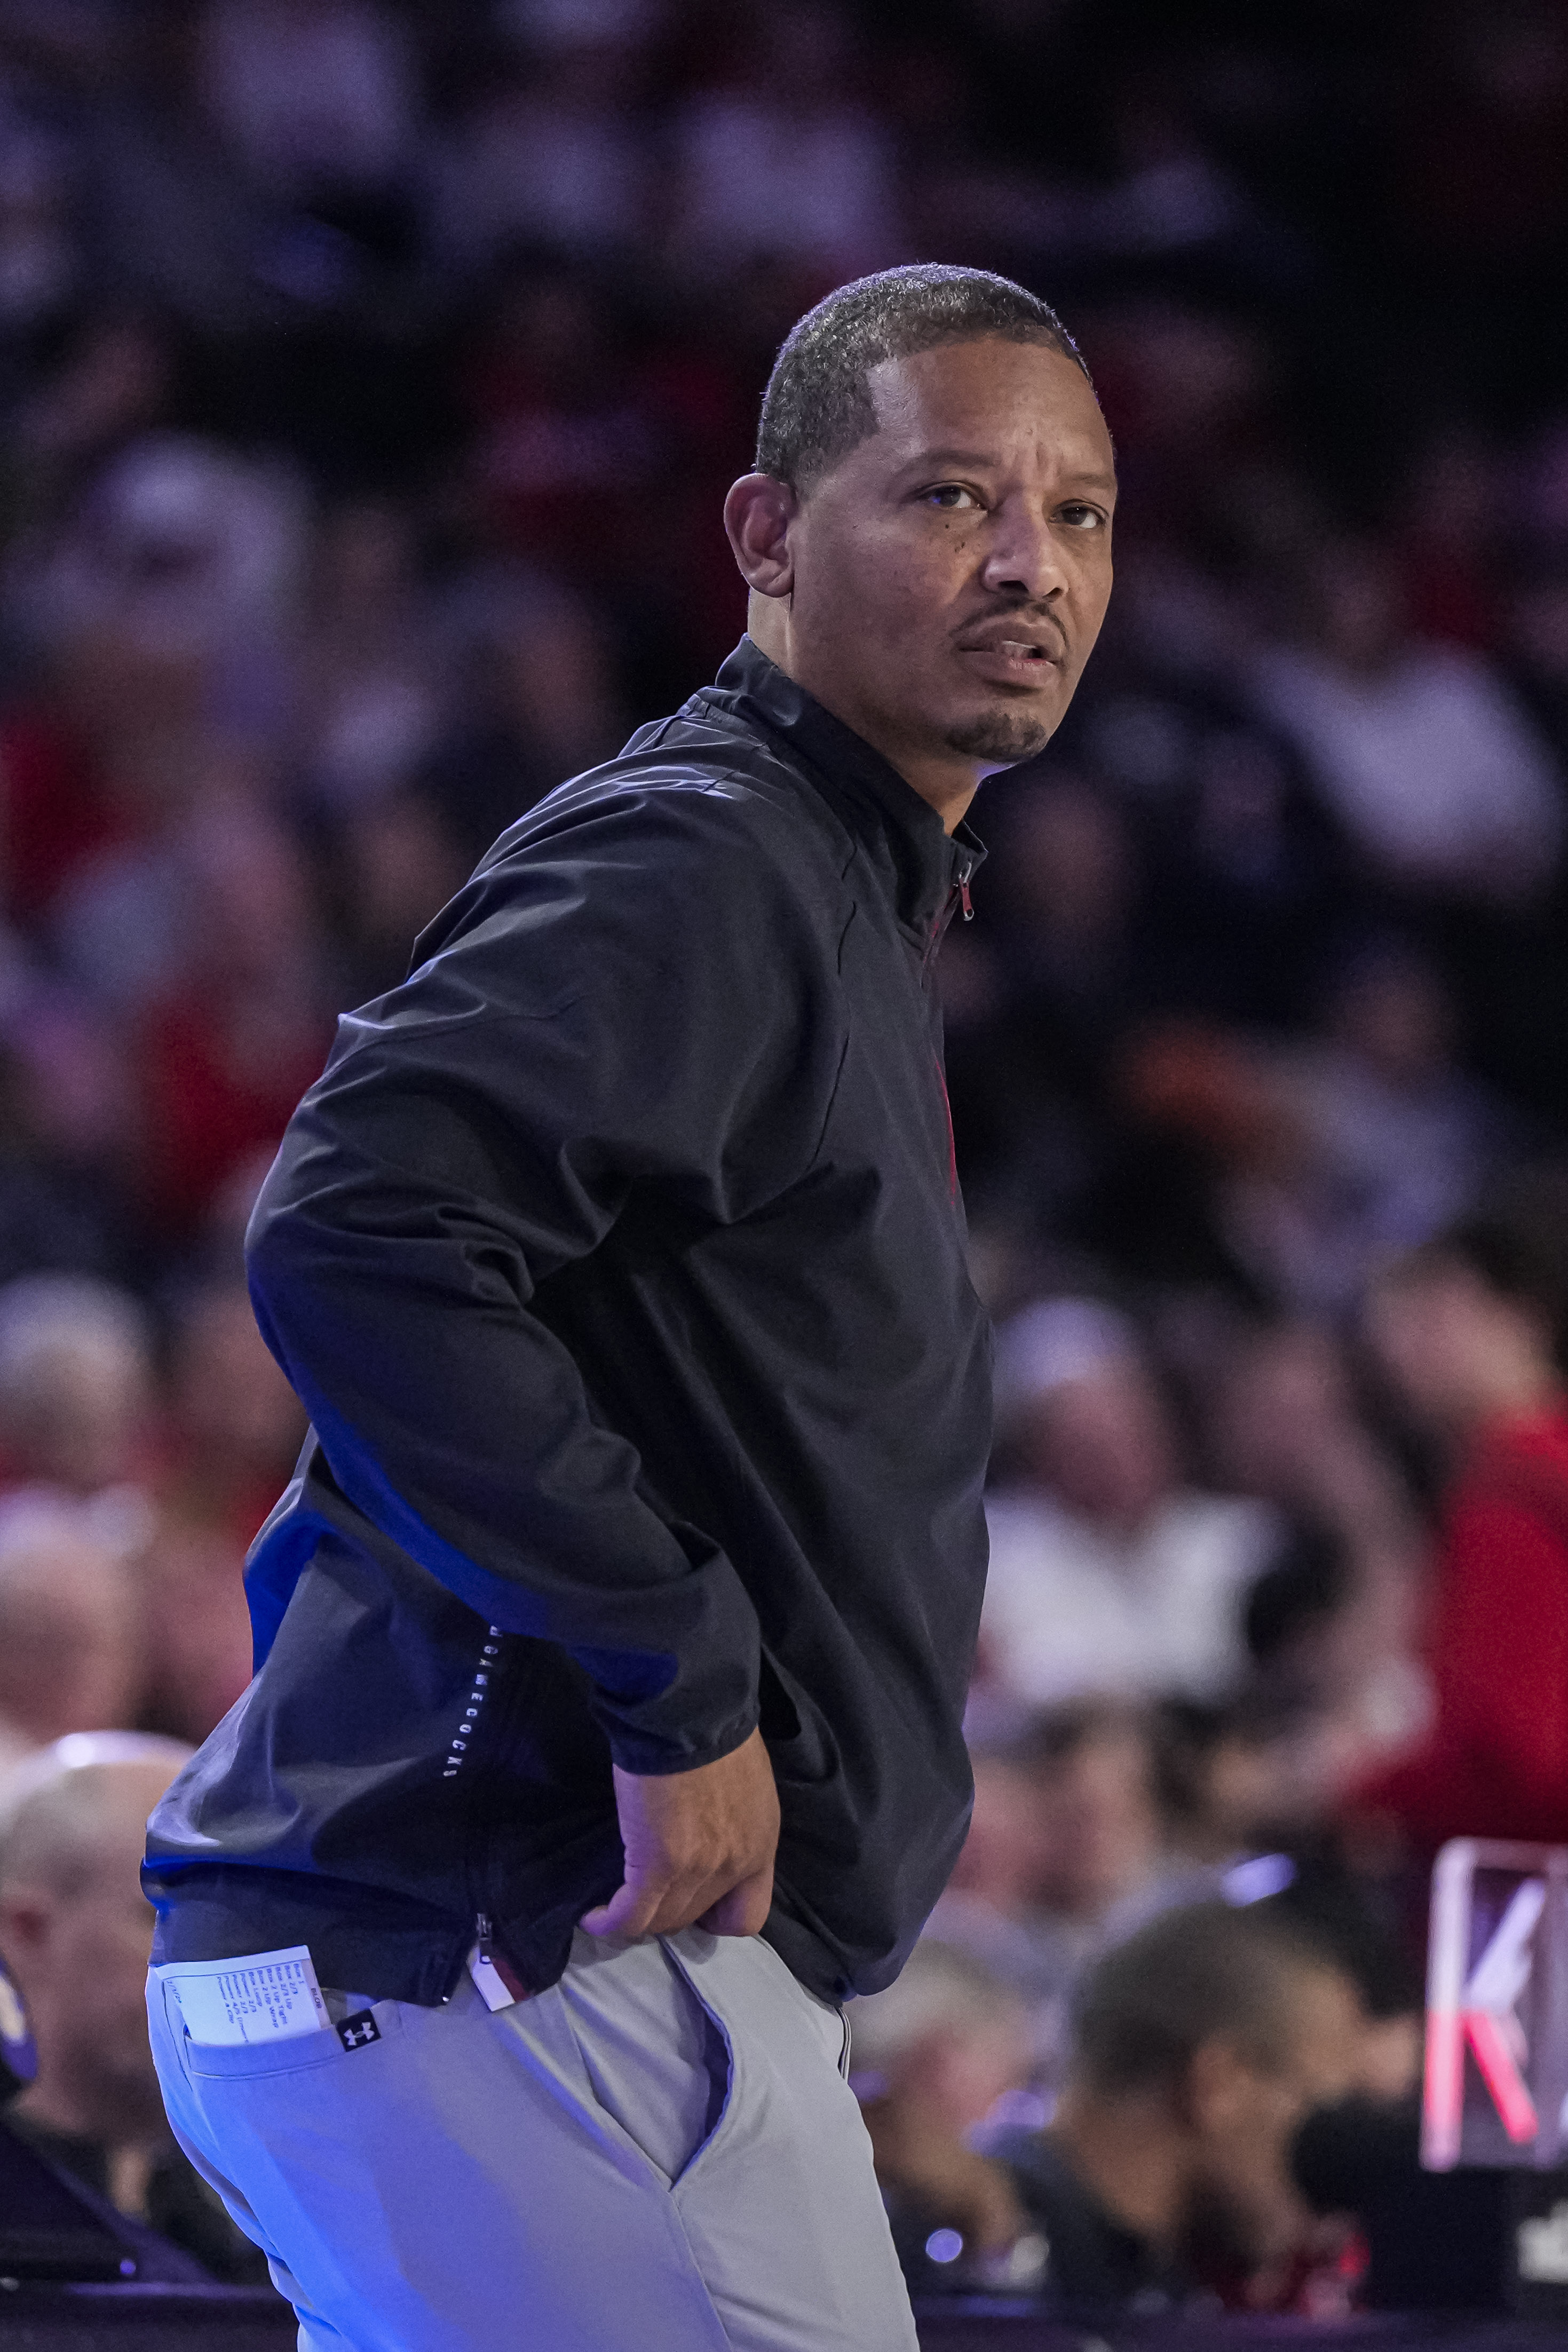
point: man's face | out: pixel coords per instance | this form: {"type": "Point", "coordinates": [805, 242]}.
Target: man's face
{"type": "Point", "coordinates": [952, 572]}
{"type": "Point", "coordinates": [1246, 2210]}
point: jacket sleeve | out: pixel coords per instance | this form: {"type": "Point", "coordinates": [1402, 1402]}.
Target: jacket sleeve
{"type": "Point", "coordinates": [632, 998]}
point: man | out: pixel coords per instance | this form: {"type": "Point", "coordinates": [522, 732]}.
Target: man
{"type": "Point", "coordinates": [75, 1930]}
{"type": "Point", "coordinates": [618, 1621]}
{"type": "Point", "coordinates": [1200, 2047]}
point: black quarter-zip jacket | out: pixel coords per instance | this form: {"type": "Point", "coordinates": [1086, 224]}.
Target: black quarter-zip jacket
{"type": "Point", "coordinates": [618, 1258]}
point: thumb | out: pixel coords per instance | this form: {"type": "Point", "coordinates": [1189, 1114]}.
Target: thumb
{"type": "Point", "coordinates": [627, 1913]}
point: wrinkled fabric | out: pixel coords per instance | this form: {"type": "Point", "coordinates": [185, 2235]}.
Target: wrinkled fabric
{"type": "Point", "coordinates": [619, 1259]}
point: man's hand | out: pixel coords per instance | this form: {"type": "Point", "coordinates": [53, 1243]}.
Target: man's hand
{"type": "Point", "coordinates": [700, 1847]}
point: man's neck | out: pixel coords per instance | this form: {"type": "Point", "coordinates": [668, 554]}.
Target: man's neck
{"type": "Point", "coordinates": [1127, 2158]}
{"type": "Point", "coordinates": [947, 781]}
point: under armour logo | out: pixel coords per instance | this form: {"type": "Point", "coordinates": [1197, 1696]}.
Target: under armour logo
{"type": "Point", "coordinates": [357, 2031]}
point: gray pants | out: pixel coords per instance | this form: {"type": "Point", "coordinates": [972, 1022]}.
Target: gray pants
{"type": "Point", "coordinates": [658, 2154]}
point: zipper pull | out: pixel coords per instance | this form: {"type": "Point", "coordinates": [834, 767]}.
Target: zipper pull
{"type": "Point", "coordinates": [491, 1985]}
{"type": "Point", "coordinates": [963, 898]}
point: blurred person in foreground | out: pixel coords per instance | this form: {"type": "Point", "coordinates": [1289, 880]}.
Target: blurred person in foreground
{"type": "Point", "coordinates": [1107, 1572]}
{"type": "Point", "coordinates": [1469, 1328]}
{"type": "Point", "coordinates": [76, 1930]}
{"type": "Point", "coordinates": [1200, 2046]}
{"type": "Point", "coordinates": [615, 1634]}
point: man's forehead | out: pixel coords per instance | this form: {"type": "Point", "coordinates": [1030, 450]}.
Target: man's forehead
{"type": "Point", "coordinates": [979, 399]}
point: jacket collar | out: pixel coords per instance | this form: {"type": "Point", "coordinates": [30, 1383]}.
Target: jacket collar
{"type": "Point", "coordinates": [869, 794]}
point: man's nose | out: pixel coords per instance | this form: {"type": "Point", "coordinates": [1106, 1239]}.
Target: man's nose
{"type": "Point", "coordinates": [1024, 558]}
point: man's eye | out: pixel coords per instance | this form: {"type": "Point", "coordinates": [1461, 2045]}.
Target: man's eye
{"type": "Point", "coordinates": [1083, 518]}
{"type": "Point", "coordinates": [951, 497]}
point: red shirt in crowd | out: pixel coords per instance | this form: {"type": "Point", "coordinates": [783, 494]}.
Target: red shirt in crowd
{"type": "Point", "coordinates": [1495, 1762]}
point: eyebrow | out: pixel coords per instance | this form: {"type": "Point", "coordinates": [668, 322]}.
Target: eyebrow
{"type": "Point", "coordinates": [928, 459]}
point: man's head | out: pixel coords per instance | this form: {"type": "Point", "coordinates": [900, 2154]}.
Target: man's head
{"type": "Point", "coordinates": [76, 1928]}
{"type": "Point", "coordinates": [927, 534]}
{"type": "Point", "coordinates": [1200, 2045]}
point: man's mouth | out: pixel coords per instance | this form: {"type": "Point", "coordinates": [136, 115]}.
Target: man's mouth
{"type": "Point", "coordinates": [1010, 658]}
{"type": "Point", "coordinates": [1017, 638]}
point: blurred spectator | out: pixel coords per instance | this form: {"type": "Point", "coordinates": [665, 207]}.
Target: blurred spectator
{"type": "Point", "coordinates": [1108, 1574]}
{"type": "Point", "coordinates": [62, 1103]}
{"type": "Point", "coordinates": [1199, 2047]}
{"type": "Point", "coordinates": [71, 1628]}
{"type": "Point", "coordinates": [111, 384]}
{"type": "Point", "coordinates": [1066, 1840]}
{"type": "Point", "coordinates": [565, 452]}
{"type": "Point", "coordinates": [555, 152]}
{"type": "Point", "coordinates": [83, 759]}
{"type": "Point", "coordinates": [235, 1428]}
{"type": "Point", "coordinates": [1309, 1160]}
{"type": "Point", "coordinates": [225, 1056]}
{"type": "Point", "coordinates": [397, 860]}
{"type": "Point", "coordinates": [1424, 757]}
{"type": "Point", "coordinates": [75, 1384]}
{"type": "Point", "coordinates": [191, 554]}
{"type": "Point", "coordinates": [1401, 1139]}
{"type": "Point", "coordinates": [1470, 1329]}
{"type": "Point", "coordinates": [310, 96]}
{"type": "Point", "coordinates": [77, 1932]}
{"type": "Point", "coordinates": [1284, 1424]}
{"type": "Point", "coordinates": [784, 158]}
{"type": "Point", "coordinates": [542, 703]}
{"type": "Point", "coordinates": [931, 2058]}
{"type": "Point", "coordinates": [1067, 1831]}
{"type": "Point", "coordinates": [369, 701]}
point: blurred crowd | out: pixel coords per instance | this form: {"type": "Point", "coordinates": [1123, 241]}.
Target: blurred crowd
{"type": "Point", "coordinates": [370, 379]}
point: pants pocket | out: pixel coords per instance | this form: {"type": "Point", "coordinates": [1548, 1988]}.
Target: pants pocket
{"type": "Point", "coordinates": [655, 2057]}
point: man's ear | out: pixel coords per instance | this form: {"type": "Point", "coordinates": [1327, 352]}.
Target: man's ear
{"type": "Point", "coordinates": [758, 513]}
